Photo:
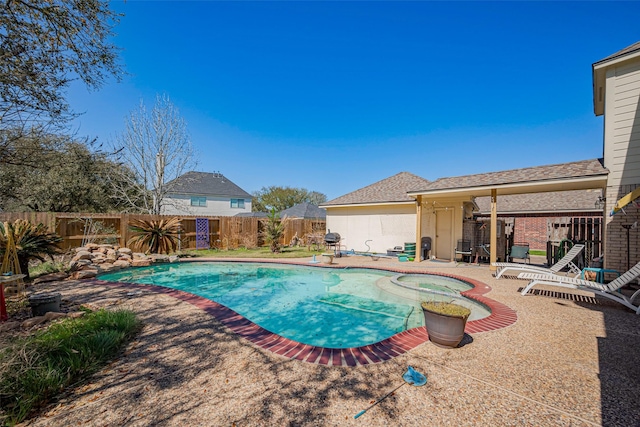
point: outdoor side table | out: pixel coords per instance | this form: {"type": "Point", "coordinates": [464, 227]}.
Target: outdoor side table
{"type": "Point", "coordinates": [599, 273]}
{"type": "Point", "coordinates": [3, 305]}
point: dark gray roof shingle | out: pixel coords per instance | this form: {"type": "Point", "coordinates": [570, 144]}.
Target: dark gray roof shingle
{"type": "Point", "coordinates": [392, 189]}
{"type": "Point", "coordinates": [629, 49]}
{"type": "Point", "coordinates": [304, 210]}
{"type": "Point", "coordinates": [575, 200]}
{"type": "Point", "coordinates": [206, 183]}
{"type": "Point", "coordinates": [252, 215]}
{"type": "Point", "coordinates": [578, 169]}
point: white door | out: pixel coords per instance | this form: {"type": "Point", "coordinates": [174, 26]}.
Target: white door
{"type": "Point", "coordinates": [444, 248]}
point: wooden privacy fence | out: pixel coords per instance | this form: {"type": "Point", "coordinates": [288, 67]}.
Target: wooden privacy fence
{"type": "Point", "coordinates": [225, 232]}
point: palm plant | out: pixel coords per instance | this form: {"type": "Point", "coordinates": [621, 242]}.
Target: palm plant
{"type": "Point", "coordinates": [32, 241]}
{"type": "Point", "coordinates": [159, 236]}
{"type": "Point", "coordinates": [273, 231]}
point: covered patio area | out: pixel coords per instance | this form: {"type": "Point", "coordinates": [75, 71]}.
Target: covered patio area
{"type": "Point", "coordinates": [442, 205]}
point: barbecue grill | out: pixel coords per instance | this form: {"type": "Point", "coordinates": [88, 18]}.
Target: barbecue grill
{"type": "Point", "coordinates": [332, 240]}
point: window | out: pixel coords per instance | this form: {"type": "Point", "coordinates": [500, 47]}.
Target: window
{"type": "Point", "coordinates": [199, 201]}
{"type": "Point", "coordinates": [237, 203]}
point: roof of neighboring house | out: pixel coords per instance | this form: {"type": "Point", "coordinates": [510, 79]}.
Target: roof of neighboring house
{"type": "Point", "coordinates": [558, 201]}
{"type": "Point", "coordinates": [580, 169]}
{"type": "Point", "coordinates": [304, 210]}
{"type": "Point", "coordinates": [392, 189]}
{"type": "Point", "coordinates": [252, 214]}
{"type": "Point", "coordinates": [206, 183]}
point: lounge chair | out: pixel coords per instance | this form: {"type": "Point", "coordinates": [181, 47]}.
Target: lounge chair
{"type": "Point", "coordinates": [554, 269]}
{"type": "Point", "coordinates": [609, 290]}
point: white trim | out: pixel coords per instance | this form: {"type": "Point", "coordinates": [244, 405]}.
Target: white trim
{"type": "Point", "coordinates": [616, 60]}
{"type": "Point", "coordinates": [485, 190]}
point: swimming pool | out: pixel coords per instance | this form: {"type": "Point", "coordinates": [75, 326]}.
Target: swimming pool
{"type": "Point", "coordinates": [325, 307]}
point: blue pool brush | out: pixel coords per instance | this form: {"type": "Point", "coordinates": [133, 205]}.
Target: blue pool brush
{"type": "Point", "coordinates": [410, 377]}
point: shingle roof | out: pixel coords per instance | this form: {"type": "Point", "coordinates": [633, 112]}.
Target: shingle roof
{"type": "Point", "coordinates": [625, 51]}
{"type": "Point", "coordinates": [206, 183]}
{"type": "Point", "coordinates": [304, 210]}
{"type": "Point", "coordinates": [575, 200]}
{"type": "Point", "coordinates": [392, 189]}
{"type": "Point", "coordinates": [578, 169]}
{"type": "Point", "coordinates": [252, 214]}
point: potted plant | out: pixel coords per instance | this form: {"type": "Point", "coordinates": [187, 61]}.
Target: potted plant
{"type": "Point", "coordinates": [445, 322]}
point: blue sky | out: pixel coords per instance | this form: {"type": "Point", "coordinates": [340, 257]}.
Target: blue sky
{"type": "Point", "coordinates": [334, 96]}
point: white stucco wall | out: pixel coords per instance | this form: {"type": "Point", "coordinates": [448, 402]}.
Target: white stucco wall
{"type": "Point", "coordinates": [216, 206]}
{"type": "Point", "coordinates": [383, 226]}
{"type": "Point", "coordinates": [429, 224]}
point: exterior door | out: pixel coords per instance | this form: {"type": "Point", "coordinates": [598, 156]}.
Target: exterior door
{"type": "Point", "coordinates": [444, 248]}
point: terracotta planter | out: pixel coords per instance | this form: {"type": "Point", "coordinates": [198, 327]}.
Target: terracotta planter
{"type": "Point", "coordinates": [445, 330]}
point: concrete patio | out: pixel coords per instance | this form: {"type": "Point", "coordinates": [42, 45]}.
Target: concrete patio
{"type": "Point", "coordinates": [568, 360]}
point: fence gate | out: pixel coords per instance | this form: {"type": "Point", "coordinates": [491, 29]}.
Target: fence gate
{"type": "Point", "coordinates": [202, 233]}
{"type": "Point", "coordinates": [564, 231]}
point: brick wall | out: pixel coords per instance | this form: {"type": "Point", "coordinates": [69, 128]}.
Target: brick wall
{"type": "Point", "coordinates": [616, 235]}
{"type": "Point", "coordinates": [532, 230]}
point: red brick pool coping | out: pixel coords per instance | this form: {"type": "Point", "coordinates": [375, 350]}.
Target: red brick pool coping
{"type": "Point", "coordinates": [501, 316]}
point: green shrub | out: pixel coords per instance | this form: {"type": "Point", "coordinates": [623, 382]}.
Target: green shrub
{"type": "Point", "coordinates": [46, 267]}
{"type": "Point", "coordinates": [35, 369]}
{"type": "Point", "coordinates": [159, 236]}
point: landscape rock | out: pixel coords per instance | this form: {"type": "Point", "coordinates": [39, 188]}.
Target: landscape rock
{"type": "Point", "coordinates": [92, 259]}
{"type": "Point", "coordinates": [159, 257]}
{"type": "Point", "coordinates": [122, 264]}
{"type": "Point", "coordinates": [82, 255]}
{"type": "Point", "coordinates": [84, 274]}
{"type": "Point", "coordinates": [51, 277]}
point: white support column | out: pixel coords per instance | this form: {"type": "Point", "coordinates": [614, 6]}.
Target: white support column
{"type": "Point", "coordinates": [494, 230]}
{"type": "Point", "coordinates": [418, 228]}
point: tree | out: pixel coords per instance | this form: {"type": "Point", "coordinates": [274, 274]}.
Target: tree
{"type": "Point", "coordinates": [281, 198]}
{"type": "Point", "coordinates": [44, 45]}
{"type": "Point", "coordinates": [62, 175]}
{"type": "Point", "coordinates": [155, 148]}
{"type": "Point", "coordinates": [273, 231]}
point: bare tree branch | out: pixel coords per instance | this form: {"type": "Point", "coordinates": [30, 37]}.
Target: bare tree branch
{"type": "Point", "coordinates": [156, 148]}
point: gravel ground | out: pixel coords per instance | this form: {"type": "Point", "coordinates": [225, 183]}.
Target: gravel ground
{"type": "Point", "coordinates": [569, 360]}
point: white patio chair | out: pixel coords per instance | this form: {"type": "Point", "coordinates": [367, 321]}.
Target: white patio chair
{"type": "Point", "coordinates": [565, 261]}
{"type": "Point", "coordinates": [609, 290]}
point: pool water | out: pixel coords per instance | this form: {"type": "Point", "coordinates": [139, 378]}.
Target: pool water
{"type": "Point", "coordinates": [337, 308]}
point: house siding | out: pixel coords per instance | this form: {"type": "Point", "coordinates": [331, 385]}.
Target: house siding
{"type": "Point", "coordinates": [622, 125]}
{"type": "Point", "coordinates": [622, 158]}
{"type": "Point", "coordinates": [181, 205]}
